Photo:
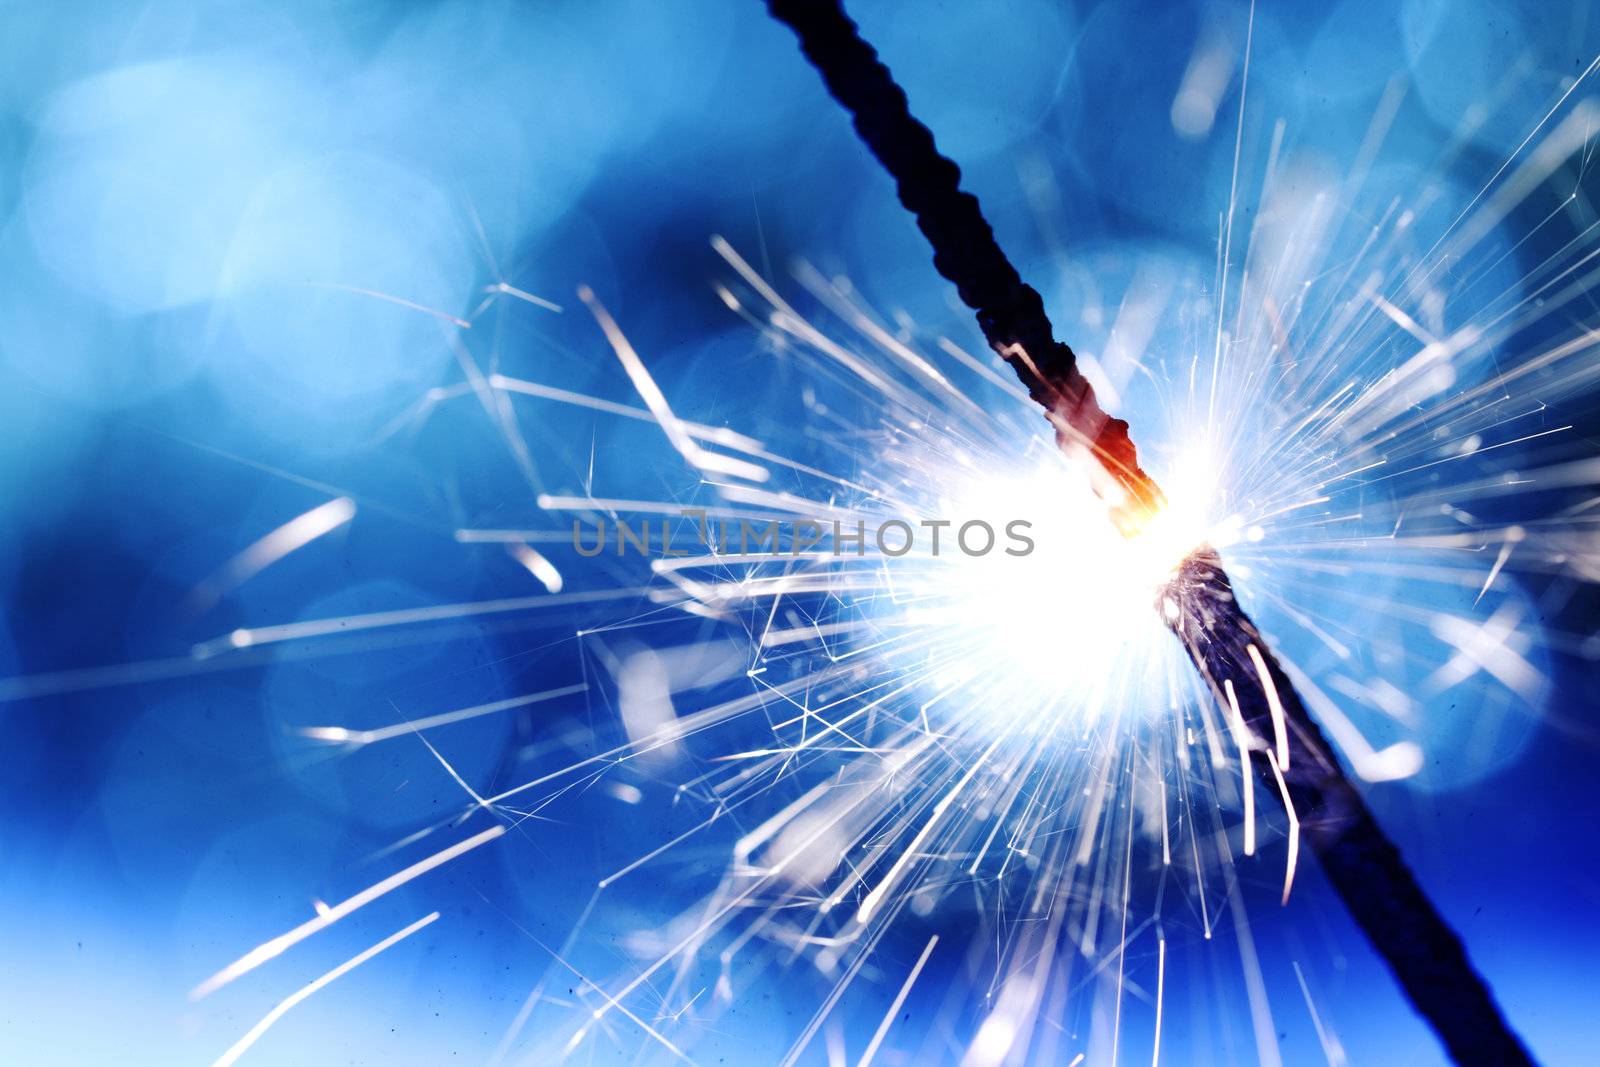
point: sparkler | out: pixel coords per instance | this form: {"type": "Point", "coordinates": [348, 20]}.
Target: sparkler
{"type": "Point", "coordinates": [858, 740]}
{"type": "Point", "coordinates": [1426, 955]}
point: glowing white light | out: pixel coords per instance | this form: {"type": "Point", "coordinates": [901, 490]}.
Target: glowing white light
{"type": "Point", "coordinates": [1077, 611]}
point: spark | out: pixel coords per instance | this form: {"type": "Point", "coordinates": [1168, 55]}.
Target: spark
{"type": "Point", "coordinates": [656, 401]}
{"type": "Point", "coordinates": [341, 735]}
{"type": "Point", "coordinates": [1242, 738]}
{"type": "Point", "coordinates": [871, 901]}
{"type": "Point", "coordinates": [254, 1034]}
{"type": "Point", "coordinates": [1161, 988]}
{"type": "Point", "coordinates": [1331, 1048]}
{"type": "Point", "coordinates": [292, 535]}
{"type": "Point", "coordinates": [1268, 686]}
{"type": "Point", "coordinates": [1293, 858]}
{"type": "Point", "coordinates": [329, 915]}
{"type": "Point", "coordinates": [442, 316]}
{"type": "Point", "coordinates": [894, 1006]}
{"type": "Point", "coordinates": [505, 289]}
{"type": "Point", "coordinates": [255, 637]}
{"type": "Point", "coordinates": [538, 565]}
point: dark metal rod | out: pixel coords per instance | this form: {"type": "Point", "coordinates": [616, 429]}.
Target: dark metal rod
{"type": "Point", "coordinates": [1364, 866]}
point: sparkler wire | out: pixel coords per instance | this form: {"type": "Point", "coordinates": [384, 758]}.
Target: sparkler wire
{"type": "Point", "coordinates": [1364, 866]}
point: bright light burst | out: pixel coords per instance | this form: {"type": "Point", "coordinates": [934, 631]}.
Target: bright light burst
{"type": "Point", "coordinates": [1361, 410]}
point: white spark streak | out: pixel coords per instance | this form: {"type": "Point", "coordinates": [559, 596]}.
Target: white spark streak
{"type": "Point", "coordinates": [1194, 109]}
{"type": "Point", "coordinates": [345, 736]}
{"type": "Point", "coordinates": [1293, 858]}
{"type": "Point", "coordinates": [294, 534]}
{"type": "Point", "coordinates": [871, 901]}
{"type": "Point", "coordinates": [894, 1007]}
{"type": "Point", "coordinates": [443, 316]}
{"type": "Point", "coordinates": [269, 950]}
{"type": "Point", "coordinates": [240, 1047]}
{"type": "Point", "coordinates": [1241, 738]}
{"type": "Point", "coordinates": [1161, 989]}
{"type": "Point", "coordinates": [253, 637]}
{"type": "Point", "coordinates": [717, 435]}
{"type": "Point", "coordinates": [1279, 731]}
{"type": "Point", "coordinates": [656, 401]}
{"type": "Point", "coordinates": [537, 565]}
{"type": "Point", "coordinates": [1266, 1034]}
{"type": "Point", "coordinates": [526, 297]}
{"type": "Point", "coordinates": [1331, 1048]}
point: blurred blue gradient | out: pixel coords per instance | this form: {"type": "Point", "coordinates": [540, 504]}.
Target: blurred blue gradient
{"type": "Point", "coordinates": [209, 213]}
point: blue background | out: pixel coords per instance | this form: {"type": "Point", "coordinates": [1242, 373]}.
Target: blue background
{"type": "Point", "coordinates": [183, 187]}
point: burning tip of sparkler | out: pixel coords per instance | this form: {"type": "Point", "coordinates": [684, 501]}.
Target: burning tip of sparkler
{"type": "Point", "coordinates": [995, 602]}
